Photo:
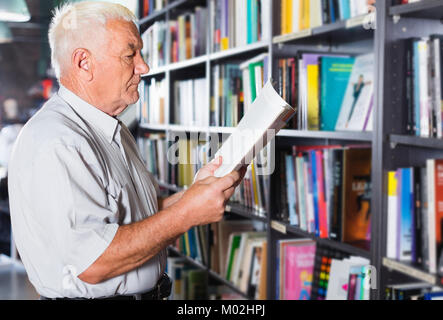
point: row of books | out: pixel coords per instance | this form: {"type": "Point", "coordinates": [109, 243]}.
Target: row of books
{"type": "Point", "coordinates": [190, 107]}
{"type": "Point", "coordinates": [424, 86]}
{"type": "Point", "coordinates": [149, 6]}
{"type": "Point", "coordinates": [415, 215]}
{"type": "Point", "coordinates": [332, 92]}
{"type": "Point", "coordinates": [188, 282]}
{"type": "Point", "coordinates": [161, 160]}
{"type": "Point", "coordinates": [193, 244]}
{"type": "Point", "coordinates": [328, 191]}
{"type": "Point", "coordinates": [235, 87]}
{"type": "Point", "coordinates": [413, 291]}
{"type": "Point", "coordinates": [297, 15]}
{"type": "Point", "coordinates": [152, 101]}
{"type": "Point", "coordinates": [153, 149]}
{"type": "Point", "coordinates": [154, 44]}
{"type": "Point", "coordinates": [236, 252]}
{"type": "Point", "coordinates": [305, 273]}
{"type": "Point", "coordinates": [188, 36]}
{"type": "Point", "coordinates": [239, 22]}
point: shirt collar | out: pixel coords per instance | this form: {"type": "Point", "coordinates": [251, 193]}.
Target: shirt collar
{"type": "Point", "coordinates": [97, 118]}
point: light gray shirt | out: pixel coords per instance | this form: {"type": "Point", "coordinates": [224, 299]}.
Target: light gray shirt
{"type": "Point", "coordinates": [75, 176]}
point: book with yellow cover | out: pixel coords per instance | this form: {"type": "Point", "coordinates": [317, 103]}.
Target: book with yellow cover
{"type": "Point", "coordinates": [313, 103]}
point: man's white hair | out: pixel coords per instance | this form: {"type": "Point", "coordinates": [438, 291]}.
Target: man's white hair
{"type": "Point", "coordinates": [81, 25]}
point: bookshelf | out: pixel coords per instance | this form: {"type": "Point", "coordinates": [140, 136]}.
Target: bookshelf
{"type": "Point", "coordinates": [391, 147]}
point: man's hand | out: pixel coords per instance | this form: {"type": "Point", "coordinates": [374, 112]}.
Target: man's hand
{"type": "Point", "coordinates": [209, 169]}
{"type": "Point", "coordinates": [204, 202]}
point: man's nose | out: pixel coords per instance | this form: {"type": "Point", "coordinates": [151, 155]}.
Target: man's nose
{"type": "Point", "coordinates": [141, 67]}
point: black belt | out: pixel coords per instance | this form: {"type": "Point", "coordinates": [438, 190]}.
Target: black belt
{"type": "Point", "coordinates": [161, 291]}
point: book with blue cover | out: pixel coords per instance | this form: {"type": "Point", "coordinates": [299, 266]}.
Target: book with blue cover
{"type": "Point", "coordinates": [312, 159]}
{"type": "Point", "coordinates": [335, 73]}
{"type": "Point", "coordinates": [406, 214]}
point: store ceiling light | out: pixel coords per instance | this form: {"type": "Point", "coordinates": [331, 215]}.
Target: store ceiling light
{"type": "Point", "coordinates": [14, 10]}
{"type": "Point", "coordinates": [5, 33]}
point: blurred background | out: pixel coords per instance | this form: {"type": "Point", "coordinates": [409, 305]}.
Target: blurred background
{"type": "Point", "coordinates": [27, 81]}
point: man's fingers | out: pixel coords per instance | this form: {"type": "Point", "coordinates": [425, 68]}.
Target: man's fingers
{"type": "Point", "coordinates": [227, 181]}
{"type": "Point", "coordinates": [215, 163]}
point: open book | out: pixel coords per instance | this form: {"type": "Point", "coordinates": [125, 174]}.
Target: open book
{"type": "Point", "coordinates": [265, 117]}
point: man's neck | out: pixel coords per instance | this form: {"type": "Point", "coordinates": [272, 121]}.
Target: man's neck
{"type": "Point", "coordinates": [84, 93]}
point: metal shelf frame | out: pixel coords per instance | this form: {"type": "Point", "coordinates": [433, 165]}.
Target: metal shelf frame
{"type": "Point", "coordinates": [390, 147]}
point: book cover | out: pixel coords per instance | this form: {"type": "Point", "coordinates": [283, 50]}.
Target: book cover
{"type": "Point", "coordinates": [406, 214]}
{"type": "Point", "coordinates": [299, 266]}
{"type": "Point", "coordinates": [357, 99]}
{"type": "Point", "coordinates": [334, 78]}
{"type": "Point", "coordinates": [234, 244]}
{"type": "Point", "coordinates": [357, 195]}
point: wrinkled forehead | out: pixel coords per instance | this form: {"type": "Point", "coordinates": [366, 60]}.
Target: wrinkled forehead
{"type": "Point", "coordinates": [122, 35]}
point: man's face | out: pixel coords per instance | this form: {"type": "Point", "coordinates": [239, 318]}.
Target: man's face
{"type": "Point", "coordinates": [121, 66]}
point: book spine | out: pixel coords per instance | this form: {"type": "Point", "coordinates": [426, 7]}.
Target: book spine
{"type": "Point", "coordinates": [323, 218]}
{"type": "Point", "coordinates": [431, 173]}
{"type": "Point", "coordinates": [313, 162]}
{"type": "Point", "coordinates": [410, 126]}
{"type": "Point", "coordinates": [418, 224]}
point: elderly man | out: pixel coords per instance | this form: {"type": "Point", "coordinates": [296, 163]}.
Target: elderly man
{"type": "Point", "coordinates": [85, 214]}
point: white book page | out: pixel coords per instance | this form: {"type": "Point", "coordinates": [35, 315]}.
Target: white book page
{"type": "Point", "coordinates": [264, 113]}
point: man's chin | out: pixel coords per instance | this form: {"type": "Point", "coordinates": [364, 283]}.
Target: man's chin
{"type": "Point", "coordinates": [133, 98]}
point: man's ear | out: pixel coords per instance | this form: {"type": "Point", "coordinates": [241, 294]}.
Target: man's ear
{"type": "Point", "coordinates": [82, 63]}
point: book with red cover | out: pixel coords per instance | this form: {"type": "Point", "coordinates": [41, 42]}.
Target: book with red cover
{"type": "Point", "coordinates": [438, 207]}
{"type": "Point", "coordinates": [321, 196]}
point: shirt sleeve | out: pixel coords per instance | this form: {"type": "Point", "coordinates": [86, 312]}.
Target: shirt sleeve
{"type": "Point", "coordinates": [71, 194]}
